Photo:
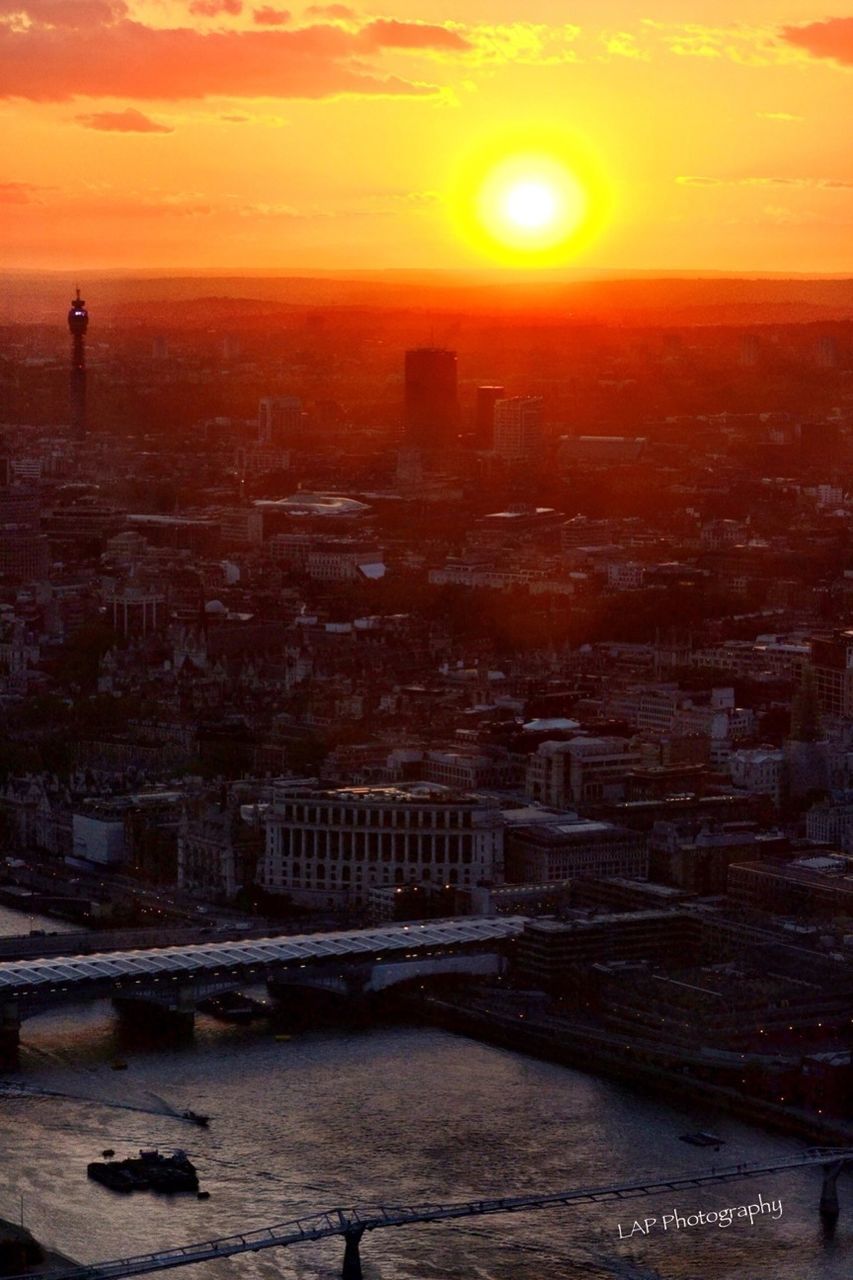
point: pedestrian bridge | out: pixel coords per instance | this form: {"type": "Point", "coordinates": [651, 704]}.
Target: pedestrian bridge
{"type": "Point", "coordinates": [352, 1223]}
{"type": "Point", "coordinates": [176, 977]}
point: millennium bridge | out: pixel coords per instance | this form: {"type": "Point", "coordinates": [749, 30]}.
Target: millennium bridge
{"type": "Point", "coordinates": [172, 980]}
{"type": "Point", "coordinates": [352, 1223]}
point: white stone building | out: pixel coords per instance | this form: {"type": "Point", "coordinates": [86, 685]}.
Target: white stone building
{"type": "Point", "coordinates": [326, 848]}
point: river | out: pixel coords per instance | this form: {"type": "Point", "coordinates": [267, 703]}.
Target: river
{"type": "Point", "coordinates": [388, 1115]}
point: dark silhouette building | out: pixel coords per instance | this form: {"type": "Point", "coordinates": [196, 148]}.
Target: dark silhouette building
{"type": "Point", "coordinates": [484, 418]}
{"type": "Point", "coordinates": [78, 323]}
{"type": "Point", "coordinates": [431, 405]}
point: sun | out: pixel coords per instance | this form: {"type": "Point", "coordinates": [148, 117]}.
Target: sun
{"type": "Point", "coordinates": [530, 206]}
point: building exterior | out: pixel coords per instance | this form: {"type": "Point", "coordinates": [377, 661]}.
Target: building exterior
{"type": "Point", "coordinates": [832, 665]}
{"type": "Point", "coordinates": [280, 421]}
{"type": "Point", "coordinates": [549, 949]}
{"type": "Point", "coordinates": [580, 847]}
{"type": "Point", "coordinates": [831, 824]}
{"type": "Point", "coordinates": [761, 771]}
{"type": "Point", "coordinates": [518, 428]}
{"type": "Point", "coordinates": [819, 887]}
{"type": "Point", "coordinates": [242, 526]}
{"type": "Point", "coordinates": [218, 850]}
{"type": "Point", "coordinates": [98, 834]}
{"type": "Point", "coordinates": [134, 609]}
{"type": "Point", "coordinates": [329, 847]}
{"type": "Point", "coordinates": [484, 415]}
{"type": "Point", "coordinates": [430, 398]}
{"type": "Point", "coordinates": [581, 771]}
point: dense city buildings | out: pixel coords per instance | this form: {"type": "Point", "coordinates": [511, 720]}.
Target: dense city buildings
{"type": "Point", "coordinates": [315, 627]}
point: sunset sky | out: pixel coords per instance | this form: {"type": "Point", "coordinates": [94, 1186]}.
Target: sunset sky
{"type": "Point", "coordinates": [232, 133]}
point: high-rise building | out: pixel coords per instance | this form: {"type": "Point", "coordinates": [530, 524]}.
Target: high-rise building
{"type": "Point", "coordinates": [431, 405]}
{"type": "Point", "coordinates": [280, 420]}
{"type": "Point", "coordinates": [484, 415]}
{"type": "Point", "coordinates": [78, 323]}
{"type": "Point", "coordinates": [518, 428]}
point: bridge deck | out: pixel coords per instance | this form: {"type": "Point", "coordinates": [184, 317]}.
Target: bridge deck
{"type": "Point", "coordinates": [343, 1222]}
{"type": "Point", "coordinates": [29, 978]}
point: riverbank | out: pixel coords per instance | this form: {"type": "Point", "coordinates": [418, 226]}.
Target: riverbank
{"type": "Point", "coordinates": [524, 1034]}
{"type": "Point", "coordinates": [22, 1254]}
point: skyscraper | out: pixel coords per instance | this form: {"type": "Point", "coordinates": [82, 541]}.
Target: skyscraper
{"type": "Point", "coordinates": [431, 407]}
{"type": "Point", "coordinates": [78, 323]}
{"type": "Point", "coordinates": [484, 418]}
{"type": "Point", "coordinates": [518, 428]}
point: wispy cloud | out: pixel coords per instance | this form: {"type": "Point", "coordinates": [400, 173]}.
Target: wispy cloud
{"type": "Point", "coordinates": [128, 121]}
{"type": "Point", "coordinates": [812, 184]}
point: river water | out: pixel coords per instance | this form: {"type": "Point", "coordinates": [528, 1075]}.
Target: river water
{"type": "Point", "coordinates": [386, 1115]}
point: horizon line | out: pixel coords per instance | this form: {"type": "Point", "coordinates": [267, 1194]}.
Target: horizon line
{"type": "Point", "coordinates": [516, 274]}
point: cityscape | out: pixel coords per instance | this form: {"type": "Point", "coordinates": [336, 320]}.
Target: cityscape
{"type": "Point", "coordinates": [426, 685]}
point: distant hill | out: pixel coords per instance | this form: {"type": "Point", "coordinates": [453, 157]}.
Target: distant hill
{"type": "Point", "coordinates": [195, 299]}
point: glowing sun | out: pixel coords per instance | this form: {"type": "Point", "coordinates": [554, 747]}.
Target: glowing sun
{"type": "Point", "coordinates": [531, 203]}
{"type": "Point", "coordinates": [526, 206]}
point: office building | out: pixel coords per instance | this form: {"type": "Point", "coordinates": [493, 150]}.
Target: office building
{"type": "Point", "coordinates": [431, 405]}
{"type": "Point", "coordinates": [517, 435]}
{"type": "Point", "coordinates": [280, 421]}
{"type": "Point", "coordinates": [330, 847]}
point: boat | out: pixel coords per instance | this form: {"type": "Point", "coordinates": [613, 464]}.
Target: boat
{"type": "Point", "coordinates": [118, 1065]}
{"type": "Point", "coordinates": [108, 1153]}
{"type": "Point", "coordinates": [196, 1118]}
{"type": "Point", "coordinates": [232, 1006]}
{"type": "Point", "coordinates": [703, 1139]}
{"type": "Point", "coordinates": [150, 1170]}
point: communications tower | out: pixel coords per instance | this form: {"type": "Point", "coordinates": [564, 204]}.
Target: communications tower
{"type": "Point", "coordinates": [78, 323]}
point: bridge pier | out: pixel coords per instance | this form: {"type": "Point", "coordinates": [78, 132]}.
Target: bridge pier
{"type": "Point", "coordinates": [10, 1035]}
{"type": "Point", "coordinates": [829, 1209]}
{"type": "Point", "coordinates": [172, 1017]}
{"type": "Point", "coordinates": [352, 1256]}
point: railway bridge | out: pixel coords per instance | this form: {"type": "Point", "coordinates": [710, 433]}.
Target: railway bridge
{"type": "Point", "coordinates": [172, 980]}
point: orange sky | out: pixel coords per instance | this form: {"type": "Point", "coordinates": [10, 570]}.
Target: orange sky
{"type": "Point", "coordinates": [234, 133]}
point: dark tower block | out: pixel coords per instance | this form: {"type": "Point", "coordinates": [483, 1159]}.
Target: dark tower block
{"type": "Point", "coordinates": [78, 323]}
{"type": "Point", "coordinates": [484, 419]}
{"type": "Point", "coordinates": [432, 410]}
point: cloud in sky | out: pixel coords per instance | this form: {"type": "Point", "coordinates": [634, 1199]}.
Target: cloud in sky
{"type": "Point", "coordinates": [267, 16]}
{"type": "Point", "coordinates": [830, 39]}
{"type": "Point", "coordinates": [17, 192]}
{"type": "Point", "coordinates": [128, 121]}
{"type": "Point", "coordinates": [124, 58]}
{"type": "Point", "coordinates": [333, 11]}
{"type": "Point", "coordinates": [814, 184]}
{"type": "Point", "coordinates": [216, 8]}
{"type": "Point", "coordinates": [389, 33]}
{"type": "Point", "coordinates": [65, 13]}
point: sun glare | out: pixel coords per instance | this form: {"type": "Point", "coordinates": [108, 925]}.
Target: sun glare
{"type": "Point", "coordinates": [528, 207]}
{"type": "Point", "coordinates": [530, 204]}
